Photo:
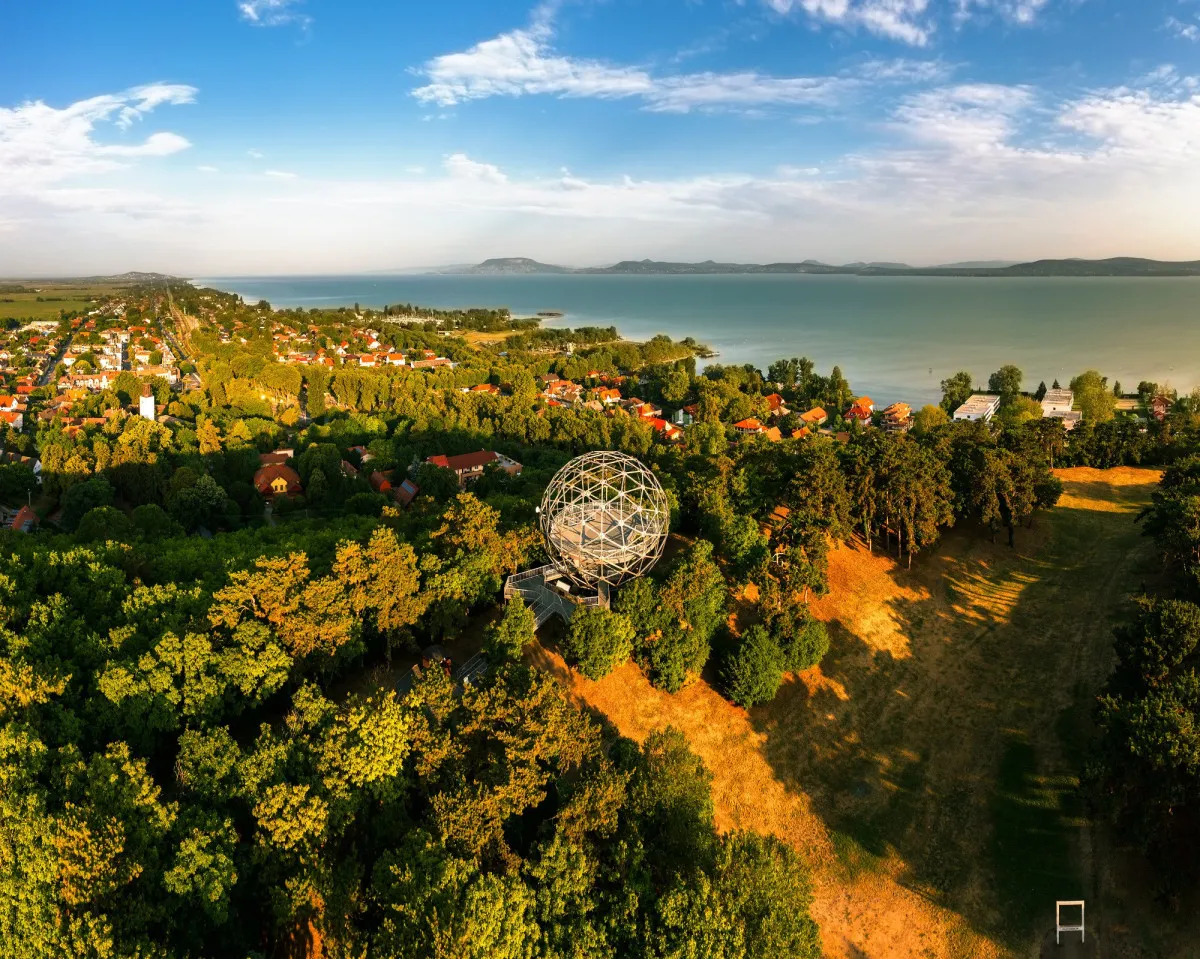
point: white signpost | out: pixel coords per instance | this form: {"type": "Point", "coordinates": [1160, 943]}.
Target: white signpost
{"type": "Point", "coordinates": [1058, 924]}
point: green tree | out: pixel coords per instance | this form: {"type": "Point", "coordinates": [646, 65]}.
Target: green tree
{"type": "Point", "coordinates": [753, 672]}
{"type": "Point", "coordinates": [84, 497]}
{"type": "Point", "coordinates": [507, 639]}
{"type": "Point", "coordinates": [102, 524]}
{"type": "Point", "coordinates": [1093, 397]}
{"type": "Point", "coordinates": [956, 390]}
{"type": "Point", "coordinates": [1007, 382]}
{"type": "Point", "coordinates": [929, 418]}
{"type": "Point", "coordinates": [598, 640]}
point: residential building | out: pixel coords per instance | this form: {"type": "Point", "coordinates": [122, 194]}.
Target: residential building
{"type": "Point", "coordinates": [862, 409]}
{"type": "Point", "coordinates": [980, 407]}
{"type": "Point", "coordinates": [1057, 401]}
{"type": "Point", "coordinates": [406, 492]}
{"type": "Point", "coordinates": [1160, 406]}
{"type": "Point", "coordinates": [898, 418]}
{"type": "Point", "coordinates": [469, 466]}
{"type": "Point", "coordinates": [26, 520]}
{"type": "Point", "coordinates": [749, 427]}
{"type": "Point", "coordinates": [1070, 418]}
{"type": "Point", "coordinates": [814, 417]}
{"type": "Point", "coordinates": [277, 480]}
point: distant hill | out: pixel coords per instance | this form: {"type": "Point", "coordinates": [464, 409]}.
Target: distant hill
{"type": "Point", "coordinates": [508, 265]}
{"type": "Point", "coordinates": [977, 265]}
{"type": "Point", "coordinates": [1116, 266]}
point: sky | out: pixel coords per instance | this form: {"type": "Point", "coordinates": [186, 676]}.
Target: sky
{"type": "Point", "coordinates": [244, 137]}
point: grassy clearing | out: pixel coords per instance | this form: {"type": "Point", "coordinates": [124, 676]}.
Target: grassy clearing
{"type": "Point", "coordinates": [929, 768]}
{"type": "Point", "coordinates": [44, 299]}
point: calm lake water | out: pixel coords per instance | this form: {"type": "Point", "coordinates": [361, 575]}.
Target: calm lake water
{"type": "Point", "coordinates": [895, 338]}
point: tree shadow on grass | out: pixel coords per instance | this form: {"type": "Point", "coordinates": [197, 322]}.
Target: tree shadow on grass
{"type": "Point", "coordinates": [959, 751]}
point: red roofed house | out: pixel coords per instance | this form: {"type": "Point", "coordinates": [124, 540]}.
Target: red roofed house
{"type": "Point", "coordinates": [490, 388]}
{"type": "Point", "coordinates": [25, 521]}
{"type": "Point", "coordinates": [775, 405]}
{"type": "Point", "coordinates": [608, 396]}
{"type": "Point", "coordinates": [13, 419]}
{"type": "Point", "coordinates": [277, 480]}
{"type": "Point", "coordinates": [749, 427]}
{"type": "Point", "coordinates": [469, 466]}
{"type": "Point", "coordinates": [666, 429]}
{"type": "Point", "coordinates": [380, 482]}
{"type": "Point", "coordinates": [1160, 406]}
{"type": "Point", "coordinates": [814, 417]}
{"type": "Point", "coordinates": [862, 409]}
{"type": "Point", "coordinates": [898, 418]}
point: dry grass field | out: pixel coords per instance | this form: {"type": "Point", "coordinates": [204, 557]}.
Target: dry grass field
{"type": "Point", "coordinates": [929, 767]}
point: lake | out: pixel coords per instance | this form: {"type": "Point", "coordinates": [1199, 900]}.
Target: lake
{"type": "Point", "coordinates": [895, 338]}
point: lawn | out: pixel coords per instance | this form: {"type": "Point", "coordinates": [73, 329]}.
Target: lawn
{"type": "Point", "coordinates": [46, 298]}
{"type": "Point", "coordinates": [929, 769]}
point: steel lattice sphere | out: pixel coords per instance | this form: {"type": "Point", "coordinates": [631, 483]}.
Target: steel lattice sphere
{"type": "Point", "coordinates": [604, 518]}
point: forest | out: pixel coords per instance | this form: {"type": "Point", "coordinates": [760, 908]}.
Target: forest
{"type": "Point", "coordinates": [195, 762]}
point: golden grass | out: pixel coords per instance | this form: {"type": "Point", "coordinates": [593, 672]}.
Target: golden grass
{"type": "Point", "coordinates": [883, 766]}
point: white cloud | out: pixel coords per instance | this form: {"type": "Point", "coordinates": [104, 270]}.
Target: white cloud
{"type": "Point", "coordinates": [903, 20]}
{"type": "Point", "coordinates": [254, 154]}
{"type": "Point", "coordinates": [462, 167]}
{"type": "Point", "coordinates": [1018, 11]}
{"type": "Point", "coordinates": [521, 62]}
{"type": "Point", "coordinates": [207, 169]}
{"type": "Point", "coordinates": [42, 145]}
{"type": "Point", "coordinates": [964, 167]}
{"type": "Point", "coordinates": [1182, 30]}
{"type": "Point", "coordinates": [273, 13]}
{"type": "Point", "coordinates": [281, 174]}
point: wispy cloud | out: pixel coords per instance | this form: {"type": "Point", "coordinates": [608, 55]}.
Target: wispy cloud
{"type": "Point", "coordinates": [273, 13]}
{"type": "Point", "coordinates": [254, 154]}
{"type": "Point", "coordinates": [207, 169]}
{"type": "Point", "coordinates": [281, 174]}
{"type": "Point", "coordinates": [41, 144]}
{"type": "Point", "coordinates": [1183, 30]}
{"type": "Point", "coordinates": [1017, 11]}
{"type": "Point", "coordinates": [903, 20]}
{"type": "Point", "coordinates": [523, 63]}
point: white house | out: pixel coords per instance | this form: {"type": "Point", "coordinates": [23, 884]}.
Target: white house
{"type": "Point", "coordinates": [1057, 401]}
{"type": "Point", "coordinates": [978, 407]}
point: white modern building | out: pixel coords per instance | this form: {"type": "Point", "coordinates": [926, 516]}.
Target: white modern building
{"type": "Point", "coordinates": [978, 407]}
{"type": "Point", "coordinates": [1057, 401]}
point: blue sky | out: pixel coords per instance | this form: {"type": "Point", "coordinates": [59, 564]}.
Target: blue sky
{"type": "Point", "coordinates": [294, 136]}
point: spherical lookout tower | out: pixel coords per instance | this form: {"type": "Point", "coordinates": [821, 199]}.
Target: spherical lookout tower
{"type": "Point", "coordinates": [604, 519]}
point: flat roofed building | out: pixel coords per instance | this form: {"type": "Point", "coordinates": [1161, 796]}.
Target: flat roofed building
{"type": "Point", "coordinates": [978, 407]}
{"type": "Point", "coordinates": [1056, 401]}
{"type": "Point", "coordinates": [1070, 418]}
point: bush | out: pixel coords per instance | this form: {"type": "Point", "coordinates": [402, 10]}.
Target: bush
{"type": "Point", "coordinates": [802, 639]}
{"type": "Point", "coordinates": [598, 640]}
{"type": "Point", "coordinates": [754, 671]}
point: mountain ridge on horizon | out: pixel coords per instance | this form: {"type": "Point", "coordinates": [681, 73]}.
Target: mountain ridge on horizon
{"type": "Point", "coordinates": [1112, 266]}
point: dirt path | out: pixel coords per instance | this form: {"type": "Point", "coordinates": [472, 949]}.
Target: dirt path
{"type": "Point", "coordinates": [928, 769]}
